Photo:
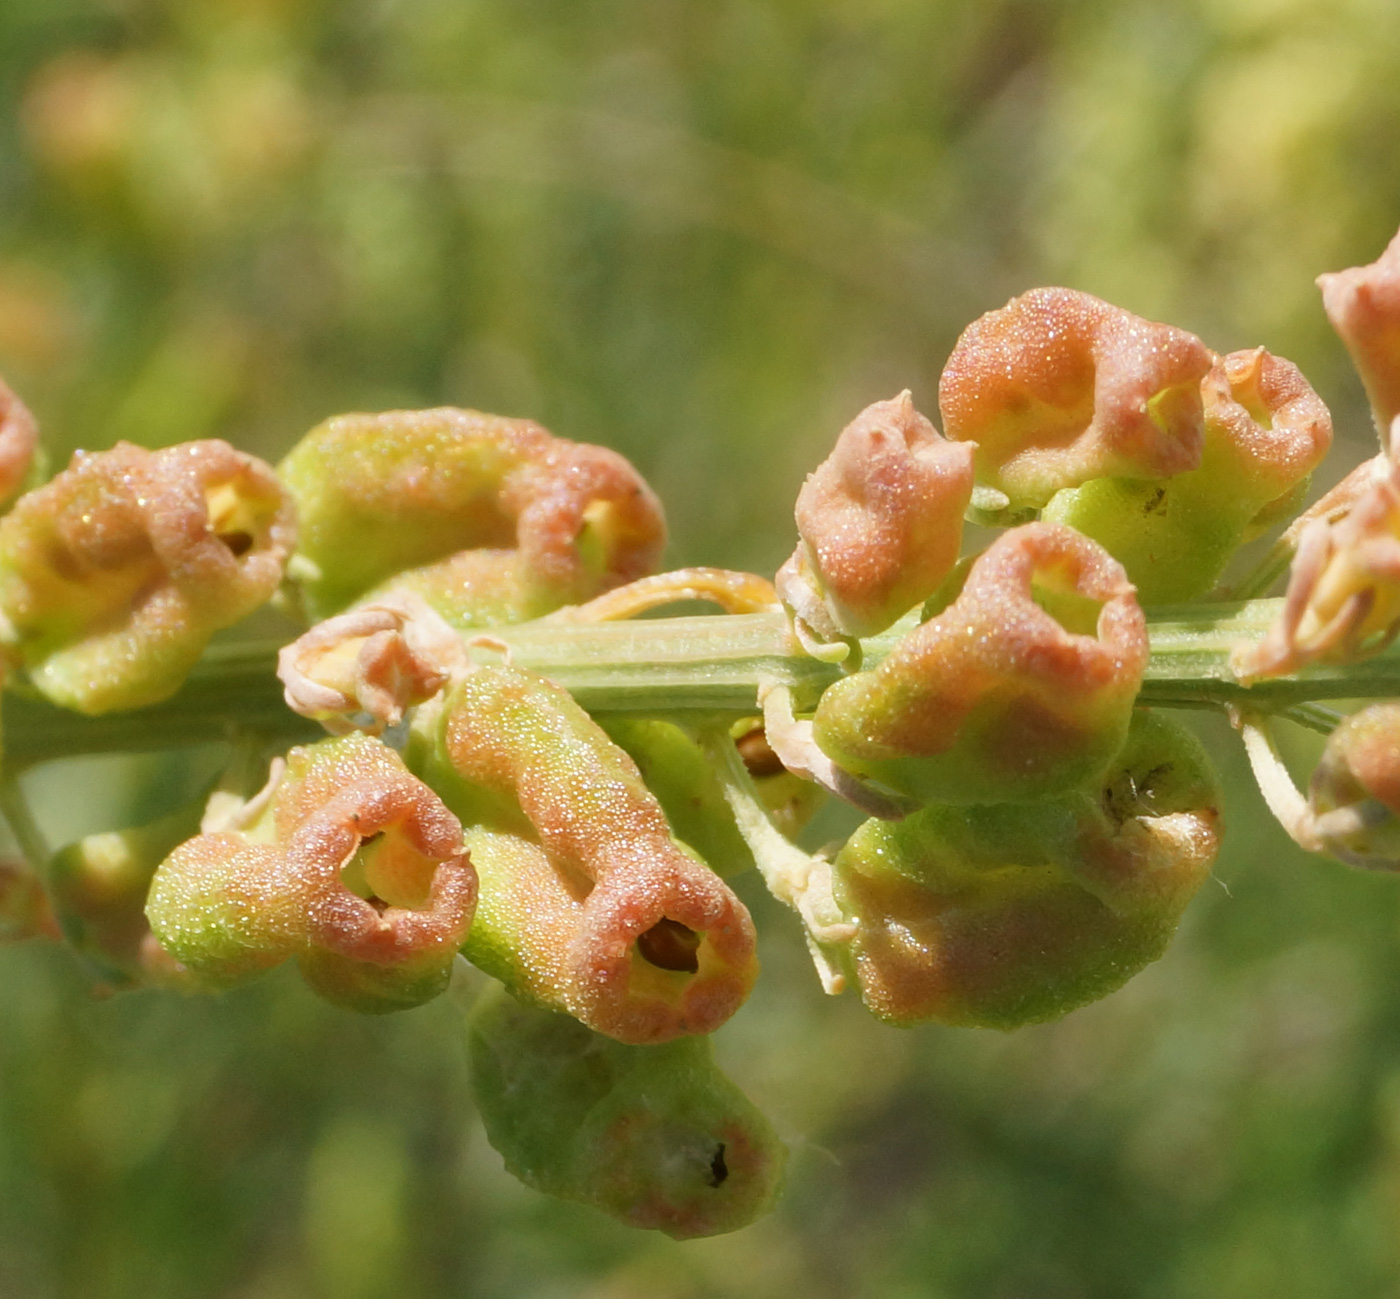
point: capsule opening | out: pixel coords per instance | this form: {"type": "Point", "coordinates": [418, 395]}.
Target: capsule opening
{"type": "Point", "coordinates": [1055, 593]}
{"type": "Point", "coordinates": [386, 870]}
{"type": "Point", "coordinates": [235, 519]}
{"type": "Point", "coordinates": [670, 945]}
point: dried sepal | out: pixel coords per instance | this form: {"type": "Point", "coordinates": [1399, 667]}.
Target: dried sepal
{"type": "Point", "coordinates": [1021, 688]}
{"type": "Point", "coordinates": [1058, 388]}
{"type": "Point", "coordinates": [355, 868]}
{"type": "Point", "coordinates": [1005, 915]}
{"type": "Point", "coordinates": [587, 901]}
{"type": "Point", "coordinates": [489, 519]}
{"type": "Point", "coordinates": [19, 439]}
{"type": "Point", "coordinates": [1343, 598]}
{"type": "Point", "coordinates": [1266, 430]}
{"type": "Point", "coordinates": [360, 670]}
{"type": "Point", "coordinates": [114, 575]}
{"type": "Point", "coordinates": [879, 521]}
{"type": "Point", "coordinates": [656, 1136]}
{"type": "Point", "coordinates": [1363, 304]}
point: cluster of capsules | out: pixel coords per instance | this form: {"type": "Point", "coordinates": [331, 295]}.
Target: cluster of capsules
{"type": "Point", "coordinates": [1034, 833]}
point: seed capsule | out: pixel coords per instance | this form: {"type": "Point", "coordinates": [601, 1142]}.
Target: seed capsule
{"type": "Point", "coordinates": [676, 770]}
{"type": "Point", "coordinates": [490, 520]}
{"type": "Point", "coordinates": [1363, 304]}
{"type": "Point", "coordinates": [654, 1135]}
{"type": "Point", "coordinates": [1266, 430]}
{"type": "Point", "coordinates": [880, 522]}
{"type": "Point", "coordinates": [25, 911]}
{"type": "Point", "coordinates": [19, 439]}
{"type": "Point", "coordinates": [1021, 688]}
{"type": "Point", "coordinates": [1011, 914]}
{"type": "Point", "coordinates": [1354, 796]}
{"type": "Point", "coordinates": [1057, 388]}
{"type": "Point", "coordinates": [114, 575]}
{"type": "Point", "coordinates": [587, 901]}
{"type": "Point", "coordinates": [99, 886]}
{"type": "Point", "coordinates": [353, 866]}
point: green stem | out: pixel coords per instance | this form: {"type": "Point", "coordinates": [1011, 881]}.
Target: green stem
{"type": "Point", "coordinates": [699, 665]}
{"type": "Point", "coordinates": [28, 837]}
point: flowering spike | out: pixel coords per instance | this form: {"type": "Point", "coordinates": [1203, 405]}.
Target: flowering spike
{"type": "Point", "coordinates": [587, 902]}
{"type": "Point", "coordinates": [490, 520]}
{"type": "Point", "coordinates": [1011, 914]}
{"type": "Point", "coordinates": [1021, 688]}
{"type": "Point", "coordinates": [114, 575]}
{"type": "Point", "coordinates": [354, 867]}
{"type": "Point", "coordinates": [1266, 430]}
{"type": "Point", "coordinates": [1057, 388]}
{"type": "Point", "coordinates": [880, 522]}
{"type": "Point", "coordinates": [654, 1135]}
{"type": "Point", "coordinates": [1363, 304]}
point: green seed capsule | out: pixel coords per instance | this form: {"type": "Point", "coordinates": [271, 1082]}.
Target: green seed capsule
{"type": "Point", "coordinates": [98, 888]}
{"type": "Point", "coordinates": [489, 520]}
{"type": "Point", "coordinates": [880, 522]}
{"type": "Point", "coordinates": [1011, 914]}
{"type": "Point", "coordinates": [1354, 795]}
{"type": "Point", "coordinates": [676, 770]}
{"type": "Point", "coordinates": [114, 575]}
{"type": "Point", "coordinates": [353, 867]}
{"type": "Point", "coordinates": [1363, 304]}
{"type": "Point", "coordinates": [588, 904]}
{"type": "Point", "coordinates": [1021, 688]}
{"type": "Point", "coordinates": [19, 443]}
{"type": "Point", "coordinates": [1266, 431]}
{"type": "Point", "coordinates": [654, 1135]}
{"type": "Point", "coordinates": [1058, 388]}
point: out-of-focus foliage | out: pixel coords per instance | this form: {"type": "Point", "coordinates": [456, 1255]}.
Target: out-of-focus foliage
{"type": "Point", "coordinates": [706, 233]}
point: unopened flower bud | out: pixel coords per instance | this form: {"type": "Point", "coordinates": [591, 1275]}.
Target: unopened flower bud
{"type": "Point", "coordinates": [354, 867]}
{"type": "Point", "coordinates": [114, 575]}
{"type": "Point", "coordinates": [588, 903]}
{"type": "Point", "coordinates": [654, 1135]}
{"type": "Point", "coordinates": [1363, 304]}
{"type": "Point", "coordinates": [1266, 430]}
{"type": "Point", "coordinates": [880, 522]}
{"type": "Point", "coordinates": [1009, 914]}
{"type": "Point", "coordinates": [1354, 796]}
{"type": "Point", "coordinates": [490, 520]}
{"type": "Point", "coordinates": [1021, 688]}
{"type": "Point", "coordinates": [1058, 388]}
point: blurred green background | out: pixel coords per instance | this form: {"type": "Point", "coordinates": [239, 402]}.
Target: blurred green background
{"type": "Point", "coordinates": [704, 232]}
